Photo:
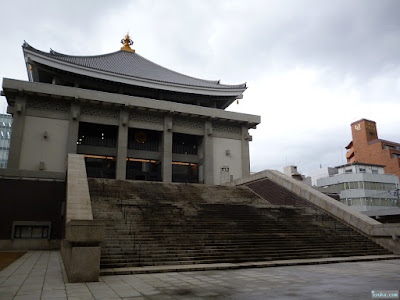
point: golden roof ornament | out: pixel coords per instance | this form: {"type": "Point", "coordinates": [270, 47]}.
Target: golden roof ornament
{"type": "Point", "coordinates": [127, 42]}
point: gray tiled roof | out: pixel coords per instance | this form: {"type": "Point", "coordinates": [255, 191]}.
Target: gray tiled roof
{"type": "Point", "coordinates": [133, 65]}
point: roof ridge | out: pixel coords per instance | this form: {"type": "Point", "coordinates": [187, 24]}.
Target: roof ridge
{"type": "Point", "coordinates": [53, 52]}
{"type": "Point", "coordinates": [196, 78]}
{"type": "Point", "coordinates": [135, 66]}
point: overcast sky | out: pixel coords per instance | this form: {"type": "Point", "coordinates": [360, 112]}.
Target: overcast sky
{"type": "Point", "coordinates": [312, 67]}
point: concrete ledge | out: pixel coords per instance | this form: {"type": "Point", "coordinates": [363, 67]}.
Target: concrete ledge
{"type": "Point", "coordinates": [80, 250]}
{"type": "Point", "coordinates": [31, 175]}
{"type": "Point", "coordinates": [85, 231]}
{"type": "Point", "coordinates": [78, 198]}
{"type": "Point", "coordinates": [12, 86]}
{"type": "Point", "coordinates": [335, 208]}
{"type": "Point", "coordinates": [386, 230]}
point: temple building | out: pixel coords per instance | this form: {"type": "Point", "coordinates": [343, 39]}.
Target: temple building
{"type": "Point", "coordinates": [130, 117]}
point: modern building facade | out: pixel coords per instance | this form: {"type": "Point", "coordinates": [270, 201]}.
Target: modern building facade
{"type": "Point", "coordinates": [5, 137]}
{"type": "Point", "coordinates": [322, 172]}
{"type": "Point", "coordinates": [363, 186]}
{"type": "Point", "coordinates": [366, 147]}
{"type": "Point", "coordinates": [130, 117]}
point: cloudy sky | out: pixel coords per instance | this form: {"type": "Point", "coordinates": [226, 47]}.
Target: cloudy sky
{"type": "Point", "coordinates": [312, 67]}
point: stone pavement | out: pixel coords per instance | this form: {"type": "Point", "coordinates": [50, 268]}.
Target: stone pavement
{"type": "Point", "coordinates": [40, 275]}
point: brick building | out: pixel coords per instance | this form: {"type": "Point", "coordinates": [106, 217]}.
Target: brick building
{"type": "Point", "coordinates": [366, 147]}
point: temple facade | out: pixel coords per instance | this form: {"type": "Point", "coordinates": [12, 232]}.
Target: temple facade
{"type": "Point", "coordinates": [131, 118]}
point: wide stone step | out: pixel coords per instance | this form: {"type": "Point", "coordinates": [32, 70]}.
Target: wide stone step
{"type": "Point", "coordinates": [182, 224]}
{"type": "Point", "coordinates": [208, 260]}
{"type": "Point", "coordinates": [232, 248]}
{"type": "Point", "coordinates": [224, 239]}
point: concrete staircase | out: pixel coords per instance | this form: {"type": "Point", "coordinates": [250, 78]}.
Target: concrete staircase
{"type": "Point", "coordinates": [155, 224]}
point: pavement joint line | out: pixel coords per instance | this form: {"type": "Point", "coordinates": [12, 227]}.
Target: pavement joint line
{"type": "Point", "coordinates": [38, 256]}
{"type": "Point", "coordinates": [44, 280]}
{"type": "Point", "coordinates": [64, 273]}
{"type": "Point", "coordinates": [90, 291]}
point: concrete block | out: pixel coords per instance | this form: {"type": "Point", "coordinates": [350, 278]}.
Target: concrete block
{"type": "Point", "coordinates": [85, 231]}
{"type": "Point", "coordinates": [82, 264]}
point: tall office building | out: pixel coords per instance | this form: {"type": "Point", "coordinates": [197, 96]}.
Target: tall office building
{"type": "Point", "coordinates": [5, 137]}
{"type": "Point", "coordinates": [366, 147]}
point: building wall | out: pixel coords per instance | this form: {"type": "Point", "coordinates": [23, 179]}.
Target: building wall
{"type": "Point", "coordinates": [31, 201]}
{"type": "Point", "coordinates": [59, 110]}
{"type": "Point", "coordinates": [368, 149]}
{"type": "Point", "coordinates": [44, 140]}
{"type": "Point", "coordinates": [226, 164]}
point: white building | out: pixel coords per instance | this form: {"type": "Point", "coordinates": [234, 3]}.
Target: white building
{"type": "Point", "coordinates": [322, 173]}
{"type": "Point", "coordinates": [5, 137]}
{"type": "Point", "coordinates": [364, 187]}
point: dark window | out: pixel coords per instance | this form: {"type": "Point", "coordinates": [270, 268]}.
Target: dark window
{"type": "Point", "coordinates": [185, 172]}
{"type": "Point", "coordinates": [184, 143]}
{"type": "Point", "coordinates": [141, 139]}
{"type": "Point", "coordinates": [31, 232]}
{"type": "Point", "coordinates": [143, 169]}
{"type": "Point", "coordinates": [97, 135]}
{"type": "Point", "coordinates": [100, 166]}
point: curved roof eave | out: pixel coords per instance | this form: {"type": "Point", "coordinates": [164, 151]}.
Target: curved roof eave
{"type": "Point", "coordinates": [34, 55]}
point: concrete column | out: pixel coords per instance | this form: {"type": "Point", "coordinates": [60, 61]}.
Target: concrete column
{"type": "Point", "coordinates": [208, 165]}
{"type": "Point", "coordinates": [17, 133]}
{"type": "Point", "coordinates": [166, 163]}
{"type": "Point", "coordinates": [73, 129]}
{"type": "Point", "coordinates": [122, 144]}
{"type": "Point", "coordinates": [245, 151]}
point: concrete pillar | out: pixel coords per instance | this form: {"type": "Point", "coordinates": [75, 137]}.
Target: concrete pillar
{"type": "Point", "coordinates": [208, 165]}
{"type": "Point", "coordinates": [166, 163]}
{"type": "Point", "coordinates": [122, 149]}
{"type": "Point", "coordinates": [17, 133]}
{"type": "Point", "coordinates": [73, 129]}
{"type": "Point", "coordinates": [245, 151]}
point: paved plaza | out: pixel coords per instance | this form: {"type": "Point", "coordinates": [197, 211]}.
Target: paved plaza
{"type": "Point", "coordinates": [40, 275]}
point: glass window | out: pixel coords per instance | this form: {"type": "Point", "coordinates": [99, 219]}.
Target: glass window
{"type": "Point", "coordinates": [353, 185]}
{"type": "Point", "coordinates": [31, 232]}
